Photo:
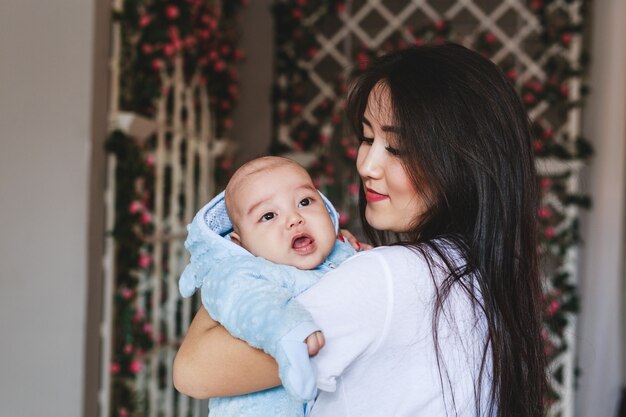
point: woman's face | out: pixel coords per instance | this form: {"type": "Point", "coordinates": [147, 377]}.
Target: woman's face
{"type": "Point", "coordinates": [392, 202]}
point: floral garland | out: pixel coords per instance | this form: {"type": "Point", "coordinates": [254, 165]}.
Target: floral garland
{"type": "Point", "coordinates": [296, 45]}
{"type": "Point", "coordinates": [154, 32]}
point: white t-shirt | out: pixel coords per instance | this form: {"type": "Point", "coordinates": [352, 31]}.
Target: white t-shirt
{"type": "Point", "coordinates": [375, 311]}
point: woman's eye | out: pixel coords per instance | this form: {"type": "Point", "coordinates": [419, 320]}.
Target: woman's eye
{"type": "Point", "coordinates": [393, 151]}
{"type": "Point", "coordinates": [305, 202]}
{"type": "Point", "coordinates": [365, 139]}
{"type": "Point", "coordinates": [267, 217]}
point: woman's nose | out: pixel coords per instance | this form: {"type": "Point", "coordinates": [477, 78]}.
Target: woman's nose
{"type": "Point", "coordinates": [369, 161]}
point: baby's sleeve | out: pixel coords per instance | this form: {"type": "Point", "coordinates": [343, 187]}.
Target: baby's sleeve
{"type": "Point", "coordinates": [262, 312]}
{"type": "Point", "coordinates": [352, 305]}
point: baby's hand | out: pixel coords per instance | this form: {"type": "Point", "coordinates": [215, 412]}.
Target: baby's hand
{"type": "Point", "coordinates": [315, 342]}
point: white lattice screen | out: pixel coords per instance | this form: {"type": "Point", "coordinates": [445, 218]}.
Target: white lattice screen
{"type": "Point", "coordinates": [184, 159]}
{"type": "Point", "coordinates": [515, 32]}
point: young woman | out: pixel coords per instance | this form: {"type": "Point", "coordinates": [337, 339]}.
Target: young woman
{"type": "Point", "coordinates": [445, 320]}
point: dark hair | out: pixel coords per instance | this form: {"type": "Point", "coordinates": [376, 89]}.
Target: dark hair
{"type": "Point", "coordinates": [465, 143]}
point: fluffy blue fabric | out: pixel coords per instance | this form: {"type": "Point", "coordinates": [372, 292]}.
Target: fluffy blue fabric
{"type": "Point", "coordinates": [254, 300]}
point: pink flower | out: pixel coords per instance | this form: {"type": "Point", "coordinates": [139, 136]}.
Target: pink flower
{"type": "Point", "coordinates": [548, 133]}
{"type": "Point", "coordinates": [353, 188]}
{"type": "Point", "coordinates": [566, 38]}
{"type": "Point", "coordinates": [545, 183]}
{"type": "Point", "coordinates": [440, 25]}
{"type": "Point", "coordinates": [564, 90]}
{"type": "Point", "coordinates": [172, 12]}
{"type": "Point", "coordinates": [228, 123]}
{"type": "Point", "coordinates": [127, 293]}
{"type": "Point", "coordinates": [150, 160]}
{"type": "Point", "coordinates": [553, 307]}
{"type": "Point", "coordinates": [233, 90]}
{"type": "Point", "coordinates": [296, 14]}
{"type": "Point", "coordinates": [344, 218]}
{"type": "Point", "coordinates": [419, 42]}
{"type": "Point", "coordinates": [548, 232]}
{"type": "Point", "coordinates": [512, 74]}
{"type": "Point", "coordinates": [146, 48]}
{"type": "Point", "coordinates": [128, 348]}
{"type": "Point", "coordinates": [351, 152]}
{"type": "Point", "coordinates": [296, 108]}
{"type": "Point", "coordinates": [169, 49]}
{"type": "Point", "coordinates": [147, 328]}
{"type": "Point", "coordinates": [144, 20]}
{"type": "Point", "coordinates": [146, 218]}
{"type": "Point", "coordinates": [139, 315]}
{"type": "Point", "coordinates": [135, 207]}
{"type": "Point", "coordinates": [115, 368]}
{"type": "Point", "coordinates": [340, 7]}
{"type": "Point", "coordinates": [536, 86]}
{"type": "Point", "coordinates": [144, 260]}
{"type": "Point", "coordinates": [537, 145]}
{"type": "Point", "coordinates": [490, 37]}
{"type": "Point", "coordinates": [135, 367]}
{"type": "Point", "coordinates": [219, 66]}
{"type": "Point", "coordinates": [329, 169]}
{"type": "Point", "coordinates": [324, 139]}
{"type": "Point", "coordinates": [173, 33]}
{"type": "Point", "coordinates": [528, 98]}
{"type": "Point", "coordinates": [123, 412]}
{"type": "Point", "coordinates": [545, 212]}
{"type": "Point", "coordinates": [238, 55]}
{"type": "Point", "coordinates": [156, 64]}
{"type": "Point", "coordinates": [226, 164]}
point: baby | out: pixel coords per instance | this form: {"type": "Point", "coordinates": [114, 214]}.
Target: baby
{"type": "Point", "coordinates": [271, 210]}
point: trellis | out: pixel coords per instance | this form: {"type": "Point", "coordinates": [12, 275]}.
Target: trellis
{"type": "Point", "coordinates": [516, 35]}
{"type": "Point", "coordinates": [179, 145]}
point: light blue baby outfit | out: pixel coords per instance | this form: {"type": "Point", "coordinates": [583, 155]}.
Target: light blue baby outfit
{"type": "Point", "coordinates": [254, 300]}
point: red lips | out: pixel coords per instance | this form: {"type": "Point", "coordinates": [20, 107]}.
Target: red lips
{"type": "Point", "coordinates": [373, 196]}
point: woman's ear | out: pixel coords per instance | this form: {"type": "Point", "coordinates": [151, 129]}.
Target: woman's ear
{"type": "Point", "coordinates": [235, 238]}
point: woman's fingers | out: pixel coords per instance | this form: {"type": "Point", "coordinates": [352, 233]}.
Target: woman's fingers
{"type": "Point", "coordinates": [354, 242]}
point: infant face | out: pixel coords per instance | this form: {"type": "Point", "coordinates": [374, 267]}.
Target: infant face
{"type": "Point", "coordinates": [281, 217]}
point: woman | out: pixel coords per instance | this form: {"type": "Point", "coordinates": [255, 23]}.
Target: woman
{"type": "Point", "coordinates": [446, 320]}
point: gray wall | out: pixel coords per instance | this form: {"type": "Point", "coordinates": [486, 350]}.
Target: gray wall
{"type": "Point", "coordinates": [45, 112]}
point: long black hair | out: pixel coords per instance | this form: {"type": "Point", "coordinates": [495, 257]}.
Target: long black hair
{"type": "Point", "coordinates": [465, 143]}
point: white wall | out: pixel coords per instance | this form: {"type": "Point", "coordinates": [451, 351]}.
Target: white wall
{"type": "Point", "coordinates": [45, 111]}
{"type": "Point", "coordinates": [600, 339]}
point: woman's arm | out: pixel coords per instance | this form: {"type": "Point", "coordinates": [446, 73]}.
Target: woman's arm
{"type": "Point", "coordinates": [212, 363]}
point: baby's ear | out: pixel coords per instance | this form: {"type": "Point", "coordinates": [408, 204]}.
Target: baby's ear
{"type": "Point", "coordinates": [234, 237]}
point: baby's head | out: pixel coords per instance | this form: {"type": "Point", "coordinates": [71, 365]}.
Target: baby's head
{"type": "Point", "coordinates": [278, 214]}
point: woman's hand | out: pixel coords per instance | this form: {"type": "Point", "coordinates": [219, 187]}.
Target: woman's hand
{"type": "Point", "coordinates": [212, 363]}
{"type": "Point", "coordinates": [344, 233]}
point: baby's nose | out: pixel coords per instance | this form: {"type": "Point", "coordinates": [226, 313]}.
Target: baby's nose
{"type": "Point", "coordinates": [295, 220]}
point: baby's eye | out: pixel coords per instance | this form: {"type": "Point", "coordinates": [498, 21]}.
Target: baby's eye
{"type": "Point", "coordinates": [305, 202]}
{"type": "Point", "coordinates": [267, 217]}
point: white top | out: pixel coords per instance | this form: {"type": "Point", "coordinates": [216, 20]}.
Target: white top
{"type": "Point", "coordinates": [379, 359]}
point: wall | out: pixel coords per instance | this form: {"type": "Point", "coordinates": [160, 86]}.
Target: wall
{"type": "Point", "coordinates": [600, 340]}
{"type": "Point", "coordinates": [45, 113]}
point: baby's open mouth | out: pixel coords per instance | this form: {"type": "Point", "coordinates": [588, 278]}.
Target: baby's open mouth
{"type": "Point", "coordinates": [303, 244]}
